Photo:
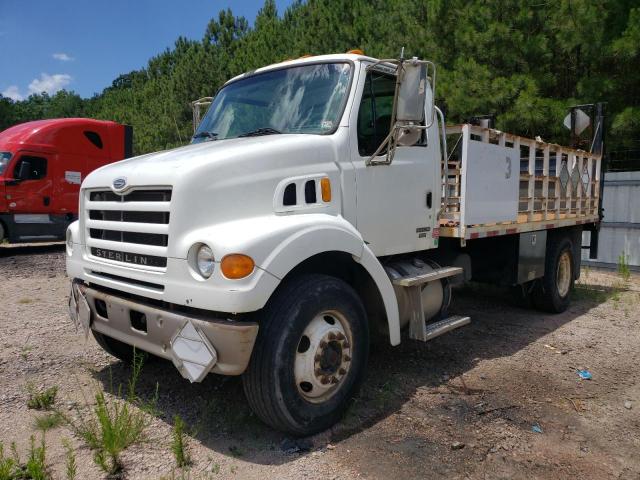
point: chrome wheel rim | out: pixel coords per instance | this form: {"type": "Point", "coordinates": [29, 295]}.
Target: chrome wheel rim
{"type": "Point", "coordinates": [323, 356]}
{"type": "Point", "coordinates": [563, 274]}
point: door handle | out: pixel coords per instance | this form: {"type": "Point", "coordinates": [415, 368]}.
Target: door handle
{"type": "Point", "coordinates": [429, 199]}
{"type": "Point", "coordinates": [46, 201]}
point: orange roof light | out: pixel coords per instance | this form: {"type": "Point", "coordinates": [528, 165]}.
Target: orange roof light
{"type": "Point", "coordinates": [356, 51]}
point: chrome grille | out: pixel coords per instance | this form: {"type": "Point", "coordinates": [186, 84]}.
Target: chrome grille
{"type": "Point", "coordinates": [129, 228]}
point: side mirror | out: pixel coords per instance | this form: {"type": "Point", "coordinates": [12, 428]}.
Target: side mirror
{"type": "Point", "coordinates": [414, 106]}
{"type": "Point", "coordinates": [411, 94]}
{"type": "Point", "coordinates": [24, 170]}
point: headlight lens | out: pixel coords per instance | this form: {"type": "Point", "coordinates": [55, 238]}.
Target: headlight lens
{"type": "Point", "coordinates": [204, 261]}
{"type": "Point", "coordinates": [69, 242]}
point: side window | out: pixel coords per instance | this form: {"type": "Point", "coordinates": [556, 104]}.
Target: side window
{"type": "Point", "coordinates": [94, 137]}
{"type": "Point", "coordinates": [30, 168]}
{"type": "Point", "coordinates": [374, 115]}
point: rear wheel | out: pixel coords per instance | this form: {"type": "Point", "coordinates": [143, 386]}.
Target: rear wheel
{"type": "Point", "coordinates": [310, 355]}
{"type": "Point", "coordinates": [552, 292]}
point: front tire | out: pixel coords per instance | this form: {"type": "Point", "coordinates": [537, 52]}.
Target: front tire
{"type": "Point", "coordinates": [552, 292]}
{"type": "Point", "coordinates": [310, 355]}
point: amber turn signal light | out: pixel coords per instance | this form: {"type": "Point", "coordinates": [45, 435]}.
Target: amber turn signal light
{"type": "Point", "coordinates": [325, 188]}
{"type": "Point", "coordinates": [237, 266]}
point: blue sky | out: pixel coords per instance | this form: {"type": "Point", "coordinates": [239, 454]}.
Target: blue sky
{"type": "Point", "coordinates": [46, 45]}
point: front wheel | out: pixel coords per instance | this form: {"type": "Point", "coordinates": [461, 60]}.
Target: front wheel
{"type": "Point", "coordinates": [310, 355]}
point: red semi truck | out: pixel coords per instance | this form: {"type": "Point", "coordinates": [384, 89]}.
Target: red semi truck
{"type": "Point", "coordinates": [42, 165]}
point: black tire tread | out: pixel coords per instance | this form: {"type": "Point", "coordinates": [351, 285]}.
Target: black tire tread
{"type": "Point", "coordinates": [257, 391]}
{"type": "Point", "coordinates": [544, 296]}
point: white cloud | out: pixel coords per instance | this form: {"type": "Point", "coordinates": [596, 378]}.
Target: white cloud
{"type": "Point", "coordinates": [13, 92]}
{"type": "Point", "coordinates": [63, 57]}
{"type": "Point", "coordinates": [49, 83]}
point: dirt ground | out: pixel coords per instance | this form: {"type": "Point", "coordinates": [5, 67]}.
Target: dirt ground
{"type": "Point", "coordinates": [461, 406]}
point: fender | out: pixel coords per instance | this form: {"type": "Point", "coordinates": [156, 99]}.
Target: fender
{"type": "Point", "coordinates": [278, 244]}
{"type": "Point", "coordinates": [336, 234]}
{"type": "Point", "coordinates": [371, 264]}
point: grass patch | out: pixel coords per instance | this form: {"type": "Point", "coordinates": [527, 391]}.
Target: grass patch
{"type": "Point", "coordinates": [235, 451]}
{"type": "Point", "coordinates": [48, 421]}
{"type": "Point", "coordinates": [35, 468]}
{"type": "Point", "coordinates": [113, 424]}
{"type": "Point", "coordinates": [25, 301]}
{"type": "Point", "coordinates": [623, 267]}
{"type": "Point", "coordinates": [71, 467]}
{"type": "Point", "coordinates": [178, 446]}
{"type": "Point", "coordinates": [41, 400]}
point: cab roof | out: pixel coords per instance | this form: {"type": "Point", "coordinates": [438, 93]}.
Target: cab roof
{"type": "Point", "coordinates": [335, 57]}
{"type": "Point", "coordinates": [44, 132]}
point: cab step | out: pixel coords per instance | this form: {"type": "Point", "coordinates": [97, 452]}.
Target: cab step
{"type": "Point", "coordinates": [436, 329]}
{"type": "Point", "coordinates": [418, 328]}
{"type": "Point", "coordinates": [436, 274]}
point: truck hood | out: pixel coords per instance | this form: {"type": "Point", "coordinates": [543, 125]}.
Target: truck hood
{"type": "Point", "coordinates": [173, 167]}
{"type": "Point", "coordinates": [225, 180]}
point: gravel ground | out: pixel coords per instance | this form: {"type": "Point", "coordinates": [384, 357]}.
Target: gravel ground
{"type": "Point", "coordinates": [461, 406]}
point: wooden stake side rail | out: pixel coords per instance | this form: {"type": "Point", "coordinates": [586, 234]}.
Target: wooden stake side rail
{"type": "Point", "coordinates": [558, 186]}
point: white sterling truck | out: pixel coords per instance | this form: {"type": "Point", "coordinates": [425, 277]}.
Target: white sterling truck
{"type": "Point", "coordinates": [322, 202]}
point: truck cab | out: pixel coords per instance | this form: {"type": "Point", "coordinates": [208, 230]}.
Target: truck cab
{"type": "Point", "coordinates": [42, 165]}
{"type": "Point", "coordinates": [304, 219]}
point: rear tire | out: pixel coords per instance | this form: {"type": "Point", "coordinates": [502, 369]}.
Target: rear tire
{"type": "Point", "coordinates": [553, 290]}
{"type": "Point", "coordinates": [310, 355]}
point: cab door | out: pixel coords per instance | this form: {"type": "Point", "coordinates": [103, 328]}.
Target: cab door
{"type": "Point", "coordinates": [30, 189]}
{"type": "Point", "coordinates": [397, 204]}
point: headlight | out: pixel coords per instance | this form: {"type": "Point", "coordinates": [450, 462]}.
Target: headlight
{"type": "Point", "coordinates": [69, 242]}
{"type": "Point", "coordinates": [204, 261]}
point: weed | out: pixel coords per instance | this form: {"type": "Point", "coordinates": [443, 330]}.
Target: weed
{"type": "Point", "coordinates": [233, 469]}
{"type": "Point", "coordinates": [178, 445]}
{"type": "Point", "coordinates": [113, 427]}
{"type": "Point", "coordinates": [215, 468]}
{"type": "Point", "coordinates": [623, 267]}
{"type": "Point", "coordinates": [11, 468]}
{"type": "Point", "coordinates": [70, 460]}
{"type": "Point", "coordinates": [36, 467]}
{"type": "Point", "coordinates": [48, 421]}
{"type": "Point", "coordinates": [25, 301]}
{"type": "Point", "coordinates": [8, 465]}
{"type": "Point", "coordinates": [132, 383]}
{"type": "Point", "coordinates": [41, 400]}
{"type": "Point", "coordinates": [235, 451]}
{"type": "Point", "coordinates": [593, 293]}
{"type": "Point", "coordinates": [385, 395]}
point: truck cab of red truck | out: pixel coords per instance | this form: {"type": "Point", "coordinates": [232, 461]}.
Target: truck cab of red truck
{"type": "Point", "coordinates": [42, 165]}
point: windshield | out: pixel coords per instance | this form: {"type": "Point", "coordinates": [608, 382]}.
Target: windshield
{"type": "Point", "coordinates": [4, 161]}
{"type": "Point", "coordinates": [302, 99]}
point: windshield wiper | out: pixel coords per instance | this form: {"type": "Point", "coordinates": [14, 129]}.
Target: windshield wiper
{"type": "Point", "coordinates": [260, 131]}
{"type": "Point", "coordinates": [205, 134]}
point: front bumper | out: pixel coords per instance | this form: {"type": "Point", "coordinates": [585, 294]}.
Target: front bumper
{"type": "Point", "coordinates": [233, 341]}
